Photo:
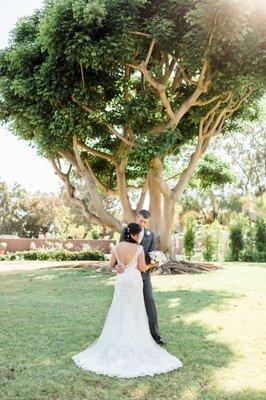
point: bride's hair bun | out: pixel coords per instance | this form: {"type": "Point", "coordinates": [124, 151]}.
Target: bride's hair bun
{"type": "Point", "coordinates": [131, 229]}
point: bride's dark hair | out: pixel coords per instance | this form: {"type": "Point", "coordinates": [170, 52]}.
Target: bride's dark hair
{"type": "Point", "coordinates": [131, 229]}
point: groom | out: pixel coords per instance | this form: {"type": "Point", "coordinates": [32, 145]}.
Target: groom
{"type": "Point", "coordinates": [147, 241]}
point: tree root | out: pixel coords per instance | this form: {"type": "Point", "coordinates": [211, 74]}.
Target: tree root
{"type": "Point", "coordinates": [185, 267]}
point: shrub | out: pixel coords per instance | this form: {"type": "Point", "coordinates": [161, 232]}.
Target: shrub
{"type": "Point", "coordinates": [213, 242]}
{"type": "Point", "coordinates": [260, 235]}
{"type": "Point", "coordinates": [57, 255]}
{"type": "Point", "coordinates": [189, 239]}
{"type": "Point", "coordinates": [236, 239]}
{"type": "Point", "coordinates": [254, 255]}
{"type": "Point", "coordinates": [95, 234]}
{"type": "Point", "coordinates": [209, 244]}
{"type": "Point", "coordinates": [254, 243]}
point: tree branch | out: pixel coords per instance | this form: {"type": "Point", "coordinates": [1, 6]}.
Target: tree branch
{"type": "Point", "coordinates": [146, 62]}
{"type": "Point", "coordinates": [71, 194]}
{"type": "Point", "coordinates": [177, 79]}
{"type": "Point", "coordinates": [105, 188]}
{"type": "Point", "coordinates": [168, 70]}
{"type": "Point", "coordinates": [184, 75]}
{"type": "Point", "coordinates": [119, 136]}
{"type": "Point", "coordinates": [97, 153]}
{"type": "Point", "coordinates": [142, 197]}
{"type": "Point", "coordinates": [202, 82]}
{"type": "Point", "coordinates": [202, 86]}
{"type": "Point", "coordinates": [110, 128]}
{"type": "Point", "coordinates": [70, 157]}
{"type": "Point", "coordinates": [82, 74]}
{"type": "Point", "coordinates": [157, 85]}
{"type": "Point", "coordinates": [188, 171]}
{"type": "Point", "coordinates": [212, 128]}
{"type": "Point", "coordinates": [210, 125]}
{"type": "Point", "coordinates": [212, 33]}
{"type": "Point", "coordinates": [241, 100]}
{"type": "Point", "coordinates": [95, 198]}
{"type": "Point", "coordinates": [157, 171]}
{"type": "Point", "coordinates": [122, 190]}
{"type": "Point", "coordinates": [140, 33]}
{"type": "Point", "coordinates": [207, 101]}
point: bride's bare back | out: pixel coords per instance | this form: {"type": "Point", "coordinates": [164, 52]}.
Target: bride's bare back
{"type": "Point", "coordinates": [125, 252]}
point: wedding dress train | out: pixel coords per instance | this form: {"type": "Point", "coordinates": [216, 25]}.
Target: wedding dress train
{"type": "Point", "coordinates": [125, 347]}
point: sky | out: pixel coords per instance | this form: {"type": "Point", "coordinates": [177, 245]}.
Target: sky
{"type": "Point", "coordinates": [20, 163]}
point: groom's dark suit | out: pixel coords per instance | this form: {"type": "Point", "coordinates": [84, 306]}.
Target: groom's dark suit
{"type": "Point", "coordinates": [148, 244]}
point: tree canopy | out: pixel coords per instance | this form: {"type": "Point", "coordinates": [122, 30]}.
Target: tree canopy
{"type": "Point", "coordinates": [113, 87]}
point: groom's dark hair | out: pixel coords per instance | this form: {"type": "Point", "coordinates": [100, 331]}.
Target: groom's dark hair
{"type": "Point", "coordinates": [131, 229]}
{"type": "Point", "coordinates": [145, 213]}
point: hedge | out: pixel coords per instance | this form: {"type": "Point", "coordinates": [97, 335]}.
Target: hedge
{"type": "Point", "coordinates": [57, 255]}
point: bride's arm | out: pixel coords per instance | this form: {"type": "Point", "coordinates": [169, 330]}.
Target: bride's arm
{"type": "Point", "coordinates": [142, 266]}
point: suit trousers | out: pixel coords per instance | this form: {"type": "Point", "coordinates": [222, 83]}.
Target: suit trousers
{"type": "Point", "coordinates": [150, 306]}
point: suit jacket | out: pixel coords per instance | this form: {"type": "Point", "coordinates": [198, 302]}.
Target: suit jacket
{"type": "Point", "coordinates": [148, 244]}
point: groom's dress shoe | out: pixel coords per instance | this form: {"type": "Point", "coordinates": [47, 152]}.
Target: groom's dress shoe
{"type": "Point", "coordinates": [161, 341]}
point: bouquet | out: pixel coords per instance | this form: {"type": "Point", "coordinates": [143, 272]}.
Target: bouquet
{"type": "Point", "coordinates": [157, 258]}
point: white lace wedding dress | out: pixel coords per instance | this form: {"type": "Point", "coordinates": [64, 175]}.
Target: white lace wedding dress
{"type": "Point", "coordinates": [125, 347]}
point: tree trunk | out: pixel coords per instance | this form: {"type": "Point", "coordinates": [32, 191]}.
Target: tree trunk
{"type": "Point", "coordinates": [155, 205]}
{"type": "Point", "coordinates": [128, 213]}
{"type": "Point", "coordinates": [167, 225]}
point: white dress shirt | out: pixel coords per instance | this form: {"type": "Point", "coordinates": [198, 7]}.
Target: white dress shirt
{"type": "Point", "coordinates": [141, 235]}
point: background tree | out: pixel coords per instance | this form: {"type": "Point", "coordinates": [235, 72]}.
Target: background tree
{"type": "Point", "coordinates": [212, 242]}
{"type": "Point", "coordinates": [207, 189]}
{"type": "Point", "coordinates": [43, 213]}
{"type": "Point", "coordinates": [213, 173]}
{"type": "Point", "coordinates": [115, 87]}
{"type": "Point", "coordinates": [11, 208]}
{"type": "Point", "coordinates": [260, 236]}
{"type": "Point", "coordinates": [30, 215]}
{"type": "Point", "coordinates": [246, 152]}
{"type": "Point", "coordinates": [236, 238]}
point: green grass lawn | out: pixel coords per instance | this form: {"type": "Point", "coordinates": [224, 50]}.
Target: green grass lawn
{"type": "Point", "coordinates": [215, 323]}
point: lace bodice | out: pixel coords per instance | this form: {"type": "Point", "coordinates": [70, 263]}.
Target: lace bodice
{"type": "Point", "coordinates": [133, 262]}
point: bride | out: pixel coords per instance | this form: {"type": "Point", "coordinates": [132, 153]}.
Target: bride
{"type": "Point", "coordinates": [125, 347]}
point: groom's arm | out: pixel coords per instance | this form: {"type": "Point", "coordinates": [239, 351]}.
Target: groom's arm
{"type": "Point", "coordinates": [112, 261]}
{"type": "Point", "coordinates": [113, 265]}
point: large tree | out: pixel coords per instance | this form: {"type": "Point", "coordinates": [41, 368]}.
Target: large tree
{"type": "Point", "coordinates": [113, 87]}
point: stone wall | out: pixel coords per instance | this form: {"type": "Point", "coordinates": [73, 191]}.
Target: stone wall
{"type": "Point", "coordinates": [24, 244]}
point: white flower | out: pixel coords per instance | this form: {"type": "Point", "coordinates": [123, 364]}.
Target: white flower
{"type": "Point", "coordinates": [157, 257]}
{"type": "Point", "coordinates": [148, 233]}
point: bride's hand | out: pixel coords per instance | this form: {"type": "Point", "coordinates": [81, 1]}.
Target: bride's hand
{"type": "Point", "coordinates": [143, 269]}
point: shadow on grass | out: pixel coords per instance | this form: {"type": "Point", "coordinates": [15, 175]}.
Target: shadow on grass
{"type": "Point", "coordinates": [53, 319]}
{"type": "Point", "coordinates": [243, 264]}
